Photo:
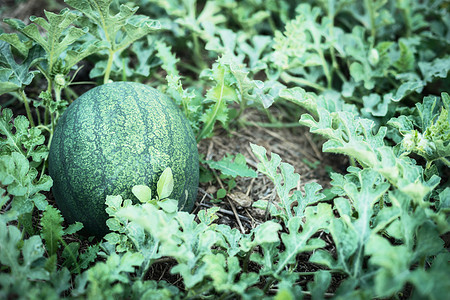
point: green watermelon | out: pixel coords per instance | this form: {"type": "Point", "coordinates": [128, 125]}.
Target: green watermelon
{"type": "Point", "coordinates": [114, 137]}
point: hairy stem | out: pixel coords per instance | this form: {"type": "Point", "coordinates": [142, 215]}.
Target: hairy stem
{"type": "Point", "coordinates": [27, 106]}
{"type": "Point", "coordinates": [212, 120]}
{"type": "Point", "coordinates": [445, 161]}
{"type": "Point", "coordinates": [108, 66]}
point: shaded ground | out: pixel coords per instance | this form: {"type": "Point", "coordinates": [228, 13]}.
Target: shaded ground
{"type": "Point", "coordinates": [295, 146]}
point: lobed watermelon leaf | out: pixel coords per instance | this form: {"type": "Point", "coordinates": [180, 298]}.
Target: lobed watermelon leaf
{"type": "Point", "coordinates": [233, 166]}
{"type": "Point", "coordinates": [61, 38]}
{"type": "Point", "coordinates": [14, 76]}
{"type": "Point", "coordinates": [118, 30]}
{"type": "Point", "coordinates": [52, 230]}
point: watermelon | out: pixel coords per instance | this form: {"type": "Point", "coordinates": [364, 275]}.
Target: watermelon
{"type": "Point", "coordinates": [116, 136]}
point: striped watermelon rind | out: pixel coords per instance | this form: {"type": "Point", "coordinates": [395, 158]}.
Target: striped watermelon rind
{"type": "Point", "coordinates": [114, 137]}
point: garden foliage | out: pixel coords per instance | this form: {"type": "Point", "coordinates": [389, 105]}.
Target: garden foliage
{"type": "Point", "coordinates": [368, 77]}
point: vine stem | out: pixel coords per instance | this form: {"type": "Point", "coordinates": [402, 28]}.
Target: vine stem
{"type": "Point", "coordinates": [108, 66]}
{"type": "Point", "coordinates": [325, 66]}
{"type": "Point", "coordinates": [334, 64]}
{"type": "Point", "coordinates": [27, 106]}
{"type": "Point", "coordinates": [49, 89]}
{"type": "Point", "coordinates": [52, 115]}
{"type": "Point", "coordinates": [242, 106]}
{"type": "Point", "coordinates": [246, 261]}
{"type": "Point", "coordinates": [369, 6]}
{"type": "Point", "coordinates": [300, 81]}
{"type": "Point", "coordinates": [445, 161]}
{"type": "Point", "coordinates": [210, 124]}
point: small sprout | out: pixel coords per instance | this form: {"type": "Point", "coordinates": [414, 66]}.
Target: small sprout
{"type": "Point", "coordinates": [221, 193]}
{"type": "Point", "coordinates": [165, 184]}
{"type": "Point", "coordinates": [142, 192]}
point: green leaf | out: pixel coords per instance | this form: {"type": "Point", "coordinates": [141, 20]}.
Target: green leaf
{"type": "Point", "coordinates": [10, 237]}
{"type": "Point", "coordinates": [208, 216]}
{"type": "Point", "coordinates": [118, 30]}
{"type": "Point", "coordinates": [169, 60]}
{"type": "Point", "coordinates": [20, 179]}
{"type": "Point", "coordinates": [407, 88]}
{"type": "Point", "coordinates": [70, 256]}
{"type": "Point", "coordinates": [113, 205]}
{"type": "Point", "coordinates": [21, 256]}
{"type": "Point", "coordinates": [178, 235]}
{"type": "Point", "coordinates": [428, 242]}
{"type": "Point", "coordinates": [52, 230]}
{"type": "Point", "coordinates": [15, 41]}
{"type": "Point", "coordinates": [255, 50]}
{"type": "Point", "coordinates": [267, 232]}
{"type": "Point", "coordinates": [215, 267]}
{"type": "Point", "coordinates": [76, 54]}
{"type": "Point", "coordinates": [246, 88]}
{"type": "Point", "coordinates": [319, 286]}
{"type": "Point", "coordinates": [312, 195]}
{"type": "Point", "coordinates": [349, 134]}
{"type": "Point", "coordinates": [189, 100]}
{"type": "Point", "coordinates": [59, 38]}
{"type": "Point", "coordinates": [14, 76]}
{"type": "Point", "coordinates": [303, 42]}
{"type": "Point", "coordinates": [221, 193]}
{"type": "Point", "coordinates": [14, 169]}
{"type": "Point", "coordinates": [432, 142]}
{"type": "Point", "coordinates": [363, 67]}
{"type": "Point", "coordinates": [393, 263]}
{"type": "Point", "coordinates": [168, 205]}
{"type": "Point", "coordinates": [165, 184]}
{"type": "Point", "coordinates": [375, 105]}
{"type": "Point", "coordinates": [297, 241]}
{"type": "Point", "coordinates": [108, 278]}
{"type": "Point", "coordinates": [285, 180]}
{"type": "Point", "coordinates": [406, 61]}
{"type": "Point", "coordinates": [136, 27]}
{"type": "Point", "coordinates": [351, 231]}
{"type": "Point", "coordinates": [444, 199]}
{"type": "Point", "coordinates": [3, 197]}
{"type": "Point", "coordinates": [425, 281]}
{"type": "Point", "coordinates": [73, 228]}
{"type": "Point", "coordinates": [220, 96]}
{"type": "Point", "coordinates": [20, 138]}
{"type": "Point", "coordinates": [300, 97]}
{"type": "Point", "coordinates": [438, 68]}
{"type": "Point", "coordinates": [233, 166]}
{"type": "Point", "coordinates": [88, 256]}
{"type": "Point", "coordinates": [142, 192]}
